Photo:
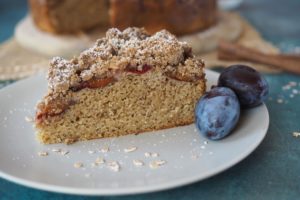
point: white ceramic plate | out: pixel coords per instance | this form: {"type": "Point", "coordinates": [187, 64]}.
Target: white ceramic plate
{"type": "Point", "coordinates": [189, 157]}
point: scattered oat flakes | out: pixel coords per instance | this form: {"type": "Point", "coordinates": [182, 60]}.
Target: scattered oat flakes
{"type": "Point", "coordinates": [130, 149]}
{"type": "Point", "coordinates": [78, 165]}
{"type": "Point", "coordinates": [104, 149]}
{"type": "Point", "coordinates": [296, 134]}
{"type": "Point", "coordinates": [205, 142]}
{"type": "Point", "coordinates": [114, 166]}
{"type": "Point", "coordinates": [43, 153]}
{"type": "Point", "coordinates": [29, 119]}
{"type": "Point", "coordinates": [138, 163]}
{"type": "Point", "coordinates": [202, 147]}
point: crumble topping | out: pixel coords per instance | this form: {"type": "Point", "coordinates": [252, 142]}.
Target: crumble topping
{"type": "Point", "coordinates": [133, 48]}
{"type": "Point", "coordinates": [62, 74]}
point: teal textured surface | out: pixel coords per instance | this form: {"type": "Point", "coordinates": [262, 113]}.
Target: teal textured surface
{"type": "Point", "coordinates": [272, 170]}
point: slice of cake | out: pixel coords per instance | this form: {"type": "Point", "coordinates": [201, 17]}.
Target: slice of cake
{"type": "Point", "coordinates": [129, 82]}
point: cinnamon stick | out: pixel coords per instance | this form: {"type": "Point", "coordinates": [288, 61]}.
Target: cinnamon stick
{"type": "Point", "coordinates": [230, 51]}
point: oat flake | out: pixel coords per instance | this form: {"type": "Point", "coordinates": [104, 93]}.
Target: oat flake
{"type": "Point", "coordinates": [156, 164]}
{"type": "Point", "coordinates": [99, 160]}
{"type": "Point", "coordinates": [114, 166]}
{"type": "Point", "coordinates": [138, 163]}
{"type": "Point", "coordinates": [29, 119]}
{"type": "Point", "coordinates": [147, 154]}
{"type": "Point", "coordinates": [78, 165]}
{"type": "Point", "coordinates": [91, 152]}
{"type": "Point", "coordinates": [43, 153]}
{"type": "Point", "coordinates": [56, 150]}
{"type": "Point", "coordinates": [64, 152]}
{"type": "Point", "coordinates": [130, 149]}
{"type": "Point", "coordinates": [104, 149]}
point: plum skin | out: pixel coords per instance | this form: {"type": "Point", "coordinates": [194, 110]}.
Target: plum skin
{"type": "Point", "coordinates": [217, 113]}
{"type": "Point", "coordinates": [248, 84]}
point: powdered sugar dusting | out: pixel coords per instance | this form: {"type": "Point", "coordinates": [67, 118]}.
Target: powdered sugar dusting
{"type": "Point", "coordinates": [132, 48]}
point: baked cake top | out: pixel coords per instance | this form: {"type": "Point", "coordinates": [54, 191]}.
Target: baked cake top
{"type": "Point", "coordinates": [119, 52]}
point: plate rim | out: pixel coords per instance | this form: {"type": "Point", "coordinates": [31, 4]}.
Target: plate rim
{"type": "Point", "coordinates": [136, 189]}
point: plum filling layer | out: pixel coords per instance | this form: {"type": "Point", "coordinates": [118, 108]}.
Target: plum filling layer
{"type": "Point", "coordinates": [52, 109]}
{"type": "Point", "coordinates": [93, 84]}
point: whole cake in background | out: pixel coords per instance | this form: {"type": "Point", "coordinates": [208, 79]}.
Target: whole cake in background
{"type": "Point", "coordinates": [128, 82]}
{"type": "Point", "coordinates": [71, 16]}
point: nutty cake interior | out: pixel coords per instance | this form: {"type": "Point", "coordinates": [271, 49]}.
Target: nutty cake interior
{"type": "Point", "coordinates": [129, 82]}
